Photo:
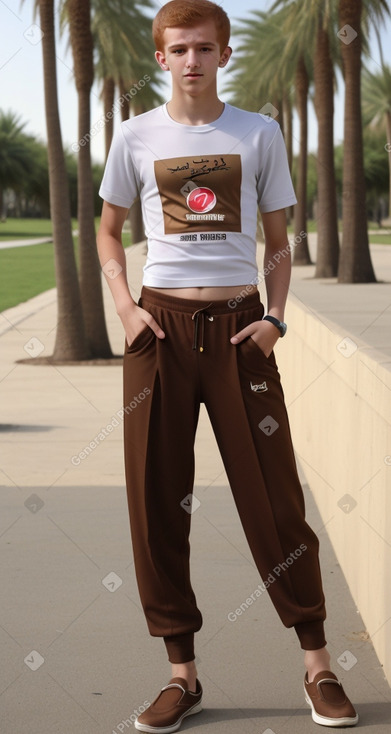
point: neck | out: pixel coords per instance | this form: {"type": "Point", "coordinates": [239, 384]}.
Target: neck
{"type": "Point", "coordinates": [191, 110]}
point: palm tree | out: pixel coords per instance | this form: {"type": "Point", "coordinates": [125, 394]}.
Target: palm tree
{"type": "Point", "coordinates": [269, 76]}
{"type": "Point", "coordinates": [310, 26]}
{"type": "Point", "coordinates": [316, 21]}
{"type": "Point", "coordinates": [376, 174]}
{"type": "Point", "coordinates": [327, 213]}
{"type": "Point", "coordinates": [35, 183]}
{"type": "Point", "coordinates": [78, 13]}
{"type": "Point", "coordinates": [15, 155]}
{"type": "Point", "coordinates": [107, 94]}
{"type": "Point", "coordinates": [355, 265]}
{"type": "Point", "coordinates": [302, 255]}
{"type": "Point", "coordinates": [355, 262]}
{"type": "Point", "coordinates": [376, 90]}
{"type": "Point", "coordinates": [125, 59]}
{"type": "Point", "coordinates": [23, 168]}
{"type": "Point", "coordinates": [138, 104]}
{"type": "Point", "coordinates": [70, 341]}
{"type": "Point", "coordinates": [125, 56]}
{"type": "Point", "coordinates": [287, 129]}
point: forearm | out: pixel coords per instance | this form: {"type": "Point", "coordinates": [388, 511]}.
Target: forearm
{"type": "Point", "coordinates": [111, 249]}
{"type": "Point", "coordinates": [277, 269]}
{"type": "Point", "coordinates": [277, 262]}
{"type": "Point", "coordinates": [277, 279]}
{"type": "Point", "coordinates": [112, 255]}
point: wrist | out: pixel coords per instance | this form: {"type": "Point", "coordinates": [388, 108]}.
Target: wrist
{"type": "Point", "coordinates": [125, 305]}
{"type": "Point", "coordinates": [276, 311]}
{"type": "Point", "coordinates": [277, 323]}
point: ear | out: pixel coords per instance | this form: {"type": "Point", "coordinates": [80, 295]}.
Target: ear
{"type": "Point", "coordinates": [161, 59]}
{"type": "Point", "coordinates": [225, 56]}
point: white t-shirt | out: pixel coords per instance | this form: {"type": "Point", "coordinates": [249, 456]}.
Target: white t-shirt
{"type": "Point", "coordinates": [200, 187]}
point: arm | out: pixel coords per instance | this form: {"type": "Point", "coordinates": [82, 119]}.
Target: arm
{"type": "Point", "coordinates": [277, 281]}
{"type": "Point", "coordinates": [109, 242]}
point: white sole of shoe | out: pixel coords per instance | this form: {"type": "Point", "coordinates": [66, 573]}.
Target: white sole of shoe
{"type": "Point", "coordinates": [326, 720]}
{"type": "Point", "coordinates": [167, 729]}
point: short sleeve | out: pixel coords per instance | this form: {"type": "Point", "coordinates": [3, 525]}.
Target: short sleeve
{"type": "Point", "coordinates": [119, 182]}
{"type": "Point", "coordinates": [274, 186]}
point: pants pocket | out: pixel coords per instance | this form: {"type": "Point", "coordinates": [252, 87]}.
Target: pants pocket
{"type": "Point", "coordinates": [141, 340]}
{"type": "Point", "coordinates": [257, 347]}
{"type": "Point", "coordinates": [253, 357]}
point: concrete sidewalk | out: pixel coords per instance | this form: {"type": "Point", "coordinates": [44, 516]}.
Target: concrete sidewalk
{"type": "Point", "coordinates": [28, 241]}
{"type": "Point", "coordinates": [363, 309]}
{"type": "Point", "coordinates": [77, 656]}
{"type": "Point", "coordinates": [7, 244]}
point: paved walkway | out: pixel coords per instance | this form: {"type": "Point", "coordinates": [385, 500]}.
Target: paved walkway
{"type": "Point", "coordinates": [6, 245]}
{"type": "Point", "coordinates": [362, 309]}
{"type": "Point", "coordinates": [76, 654]}
{"type": "Point", "coordinates": [26, 242]}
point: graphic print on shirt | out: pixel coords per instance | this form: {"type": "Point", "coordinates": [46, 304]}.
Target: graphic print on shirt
{"type": "Point", "coordinates": [200, 193]}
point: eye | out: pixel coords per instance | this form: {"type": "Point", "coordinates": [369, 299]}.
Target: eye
{"type": "Point", "coordinates": [178, 51]}
{"type": "Point", "coordinates": [206, 49]}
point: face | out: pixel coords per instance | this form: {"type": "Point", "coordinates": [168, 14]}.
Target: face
{"type": "Point", "coordinates": [192, 55]}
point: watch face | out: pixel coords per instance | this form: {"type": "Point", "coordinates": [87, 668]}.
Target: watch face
{"type": "Point", "coordinates": [283, 328]}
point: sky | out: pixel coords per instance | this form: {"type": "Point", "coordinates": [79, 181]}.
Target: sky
{"type": "Point", "coordinates": [21, 76]}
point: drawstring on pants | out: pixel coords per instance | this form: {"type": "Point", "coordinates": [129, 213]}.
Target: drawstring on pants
{"type": "Point", "coordinates": [197, 315]}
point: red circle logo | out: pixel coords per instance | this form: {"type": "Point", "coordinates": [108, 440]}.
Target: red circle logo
{"type": "Point", "coordinates": [201, 200]}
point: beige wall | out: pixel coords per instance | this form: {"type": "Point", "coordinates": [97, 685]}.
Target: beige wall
{"type": "Point", "coordinates": [339, 409]}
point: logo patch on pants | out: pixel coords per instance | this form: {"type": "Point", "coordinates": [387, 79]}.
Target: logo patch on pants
{"type": "Point", "coordinates": [259, 388]}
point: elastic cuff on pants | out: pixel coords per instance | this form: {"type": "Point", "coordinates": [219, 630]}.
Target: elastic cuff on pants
{"type": "Point", "coordinates": [180, 648]}
{"type": "Point", "coordinates": [311, 635]}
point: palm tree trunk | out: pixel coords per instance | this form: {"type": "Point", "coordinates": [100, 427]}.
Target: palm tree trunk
{"type": "Point", "coordinates": [135, 216]}
{"type": "Point", "coordinates": [281, 115]}
{"type": "Point", "coordinates": [288, 136]}
{"type": "Point", "coordinates": [327, 219]}
{"type": "Point", "coordinates": [70, 341]}
{"type": "Point", "coordinates": [355, 265]}
{"type": "Point", "coordinates": [90, 272]}
{"type": "Point", "coordinates": [108, 107]}
{"type": "Point", "coordinates": [302, 255]}
{"type": "Point", "coordinates": [388, 129]}
{"type": "Point", "coordinates": [125, 105]}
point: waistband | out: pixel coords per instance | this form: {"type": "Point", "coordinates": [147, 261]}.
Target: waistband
{"type": "Point", "coordinates": [186, 305]}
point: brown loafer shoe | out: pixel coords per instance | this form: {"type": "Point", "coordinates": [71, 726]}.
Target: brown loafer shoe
{"type": "Point", "coordinates": [328, 700]}
{"type": "Point", "coordinates": [167, 711]}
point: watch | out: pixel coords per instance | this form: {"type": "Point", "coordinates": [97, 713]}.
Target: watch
{"type": "Point", "coordinates": [281, 326]}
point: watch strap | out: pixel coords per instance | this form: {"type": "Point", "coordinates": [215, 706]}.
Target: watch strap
{"type": "Point", "coordinates": [276, 322]}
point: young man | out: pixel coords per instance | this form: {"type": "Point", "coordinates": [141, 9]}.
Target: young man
{"type": "Point", "coordinates": [200, 333]}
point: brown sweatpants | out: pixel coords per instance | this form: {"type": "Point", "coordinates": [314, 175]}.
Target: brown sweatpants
{"type": "Point", "coordinates": [165, 380]}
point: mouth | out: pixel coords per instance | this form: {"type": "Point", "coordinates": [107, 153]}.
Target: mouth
{"type": "Point", "coordinates": [193, 76]}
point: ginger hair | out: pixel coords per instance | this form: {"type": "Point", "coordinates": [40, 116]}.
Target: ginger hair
{"type": "Point", "coordinates": [187, 13]}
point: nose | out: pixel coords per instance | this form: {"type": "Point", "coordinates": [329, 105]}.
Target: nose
{"type": "Point", "coordinates": [192, 59]}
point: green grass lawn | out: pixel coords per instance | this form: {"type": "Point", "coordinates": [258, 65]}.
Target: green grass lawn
{"type": "Point", "coordinates": [18, 229]}
{"type": "Point", "coordinates": [311, 226]}
{"type": "Point", "coordinates": [380, 239]}
{"type": "Point", "coordinates": [27, 271]}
